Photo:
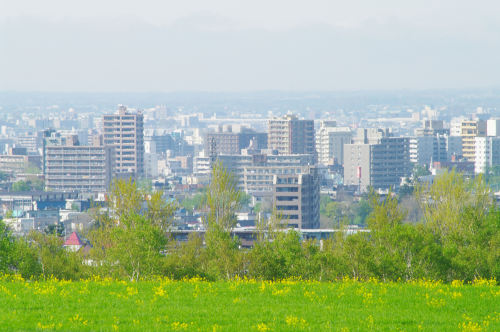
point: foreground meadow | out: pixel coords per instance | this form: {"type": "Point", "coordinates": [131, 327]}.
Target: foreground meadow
{"type": "Point", "coordinates": [246, 305]}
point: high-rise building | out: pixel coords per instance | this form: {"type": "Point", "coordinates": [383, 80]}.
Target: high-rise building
{"type": "Point", "coordinates": [225, 141]}
{"type": "Point", "coordinates": [330, 141]}
{"type": "Point", "coordinates": [296, 197]}
{"type": "Point", "coordinates": [289, 135]}
{"type": "Point", "coordinates": [453, 145]}
{"type": "Point", "coordinates": [470, 129]}
{"type": "Point", "coordinates": [124, 131]}
{"type": "Point", "coordinates": [379, 165]}
{"type": "Point", "coordinates": [422, 149]}
{"type": "Point", "coordinates": [370, 135]}
{"type": "Point", "coordinates": [68, 166]}
{"type": "Point", "coordinates": [493, 127]}
{"type": "Point", "coordinates": [487, 153]}
{"type": "Point", "coordinates": [431, 128]}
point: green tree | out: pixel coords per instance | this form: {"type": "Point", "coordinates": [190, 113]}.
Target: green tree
{"type": "Point", "coordinates": [222, 201]}
{"type": "Point", "coordinates": [443, 202]}
{"type": "Point", "coordinates": [125, 199]}
{"type": "Point", "coordinates": [361, 210]}
{"type": "Point", "coordinates": [54, 259]}
{"type": "Point", "coordinates": [57, 230]}
{"type": "Point", "coordinates": [131, 240]}
{"type": "Point", "coordinates": [21, 186]}
{"type": "Point", "coordinates": [29, 185]}
{"type": "Point", "coordinates": [32, 169]}
{"type": "Point", "coordinates": [187, 259]}
{"type": "Point", "coordinates": [6, 248]}
{"type": "Point", "coordinates": [197, 201]}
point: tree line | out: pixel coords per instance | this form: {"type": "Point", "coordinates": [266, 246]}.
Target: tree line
{"type": "Point", "coordinates": [457, 237]}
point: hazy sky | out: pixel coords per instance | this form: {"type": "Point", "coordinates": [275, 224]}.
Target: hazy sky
{"type": "Point", "coordinates": [226, 45]}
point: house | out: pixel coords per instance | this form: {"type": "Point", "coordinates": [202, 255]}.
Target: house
{"type": "Point", "coordinates": [73, 243]}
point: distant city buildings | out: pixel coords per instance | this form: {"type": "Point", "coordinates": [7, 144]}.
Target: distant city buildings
{"type": "Point", "coordinates": [68, 166]}
{"type": "Point", "coordinates": [380, 165]}
{"type": "Point", "coordinates": [280, 161]}
{"type": "Point", "coordinates": [296, 198]}
{"type": "Point", "coordinates": [289, 135]}
{"type": "Point", "coordinates": [330, 141]}
{"type": "Point", "coordinates": [469, 130]}
{"type": "Point", "coordinates": [225, 141]}
{"type": "Point", "coordinates": [487, 152]}
{"type": "Point", "coordinates": [124, 131]}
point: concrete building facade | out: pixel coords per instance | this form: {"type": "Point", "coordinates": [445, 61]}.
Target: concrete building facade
{"type": "Point", "coordinates": [470, 129]}
{"type": "Point", "coordinates": [379, 165]}
{"type": "Point", "coordinates": [296, 198]}
{"type": "Point", "coordinates": [124, 131]}
{"type": "Point", "coordinates": [225, 141]}
{"type": "Point", "coordinates": [487, 151]}
{"type": "Point", "coordinates": [67, 166]}
{"type": "Point", "coordinates": [289, 135]}
{"type": "Point", "coordinates": [330, 141]}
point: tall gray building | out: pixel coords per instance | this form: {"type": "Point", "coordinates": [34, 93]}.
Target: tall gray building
{"type": "Point", "coordinates": [296, 197]}
{"type": "Point", "coordinates": [68, 166]}
{"type": "Point", "coordinates": [380, 165]}
{"type": "Point", "coordinates": [289, 135]}
{"type": "Point", "coordinates": [124, 131]}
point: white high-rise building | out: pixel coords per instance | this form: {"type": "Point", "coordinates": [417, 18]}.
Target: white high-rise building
{"type": "Point", "coordinates": [330, 141]}
{"type": "Point", "coordinates": [487, 151]}
{"type": "Point", "coordinates": [493, 127]}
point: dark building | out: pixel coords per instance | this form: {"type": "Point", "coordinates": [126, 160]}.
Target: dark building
{"type": "Point", "coordinates": [231, 143]}
{"type": "Point", "coordinates": [296, 198]}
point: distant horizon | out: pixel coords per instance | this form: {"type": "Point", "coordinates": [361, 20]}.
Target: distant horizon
{"type": "Point", "coordinates": [219, 46]}
{"type": "Point", "coordinates": [256, 91]}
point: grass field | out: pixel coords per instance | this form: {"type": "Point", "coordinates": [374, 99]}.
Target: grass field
{"type": "Point", "coordinates": [245, 305]}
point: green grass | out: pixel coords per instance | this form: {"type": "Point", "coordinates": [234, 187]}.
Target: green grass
{"type": "Point", "coordinates": [163, 305]}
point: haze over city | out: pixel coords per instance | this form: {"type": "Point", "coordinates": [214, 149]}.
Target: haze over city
{"type": "Point", "coordinates": [255, 45]}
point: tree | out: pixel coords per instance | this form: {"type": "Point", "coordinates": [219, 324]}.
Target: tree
{"type": "Point", "coordinates": [57, 229]}
{"type": "Point", "coordinates": [131, 241]}
{"type": "Point", "coordinates": [6, 247]}
{"type": "Point", "coordinates": [443, 202]}
{"type": "Point", "coordinates": [32, 169]}
{"type": "Point", "coordinates": [136, 247]}
{"type": "Point", "coordinates": [53, 258]}
{"type": "Point", "coordinates": [361, 211]}
{"type": "Point", "coordinates": [223, 200]}
{"type": "Point", "coordinates": [197, 201]}
{"type": "Point", "coordinates": [21, 186]}
{"type": "Point", "coordinates": [125, 199]}
{"type": "Point", "coordinates": [29, 185]}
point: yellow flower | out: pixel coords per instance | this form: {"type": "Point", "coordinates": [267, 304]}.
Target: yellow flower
{"type": "Point", "coordinates": [263, 327]}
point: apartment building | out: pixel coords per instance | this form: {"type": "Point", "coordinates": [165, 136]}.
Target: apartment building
{"type": "Point", "coordinates": [124, 131]}
{"type": "Point", "coordinates": [289, 135]}
{"type": "Point", "coordinates": [487, 151]}
{"type": "Point", "coordinates": [225, 141]}
{"type": "Point", "coordinates": [330, 141]}
{"type": "Point", "coordinates": [469, 130]}
{"type": "Point", "coordinates": [380, 165]}
{"type": "Point", "coordinates": [296, 197]}
{"type": "Point", "coordinates": [68, 166]}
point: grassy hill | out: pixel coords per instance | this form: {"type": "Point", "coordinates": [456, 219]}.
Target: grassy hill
{"type": "Point", "coordinates": [247, 305]}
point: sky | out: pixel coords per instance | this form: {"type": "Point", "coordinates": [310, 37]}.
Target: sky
{"type": "Point", "coordinates": [232, 45]}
